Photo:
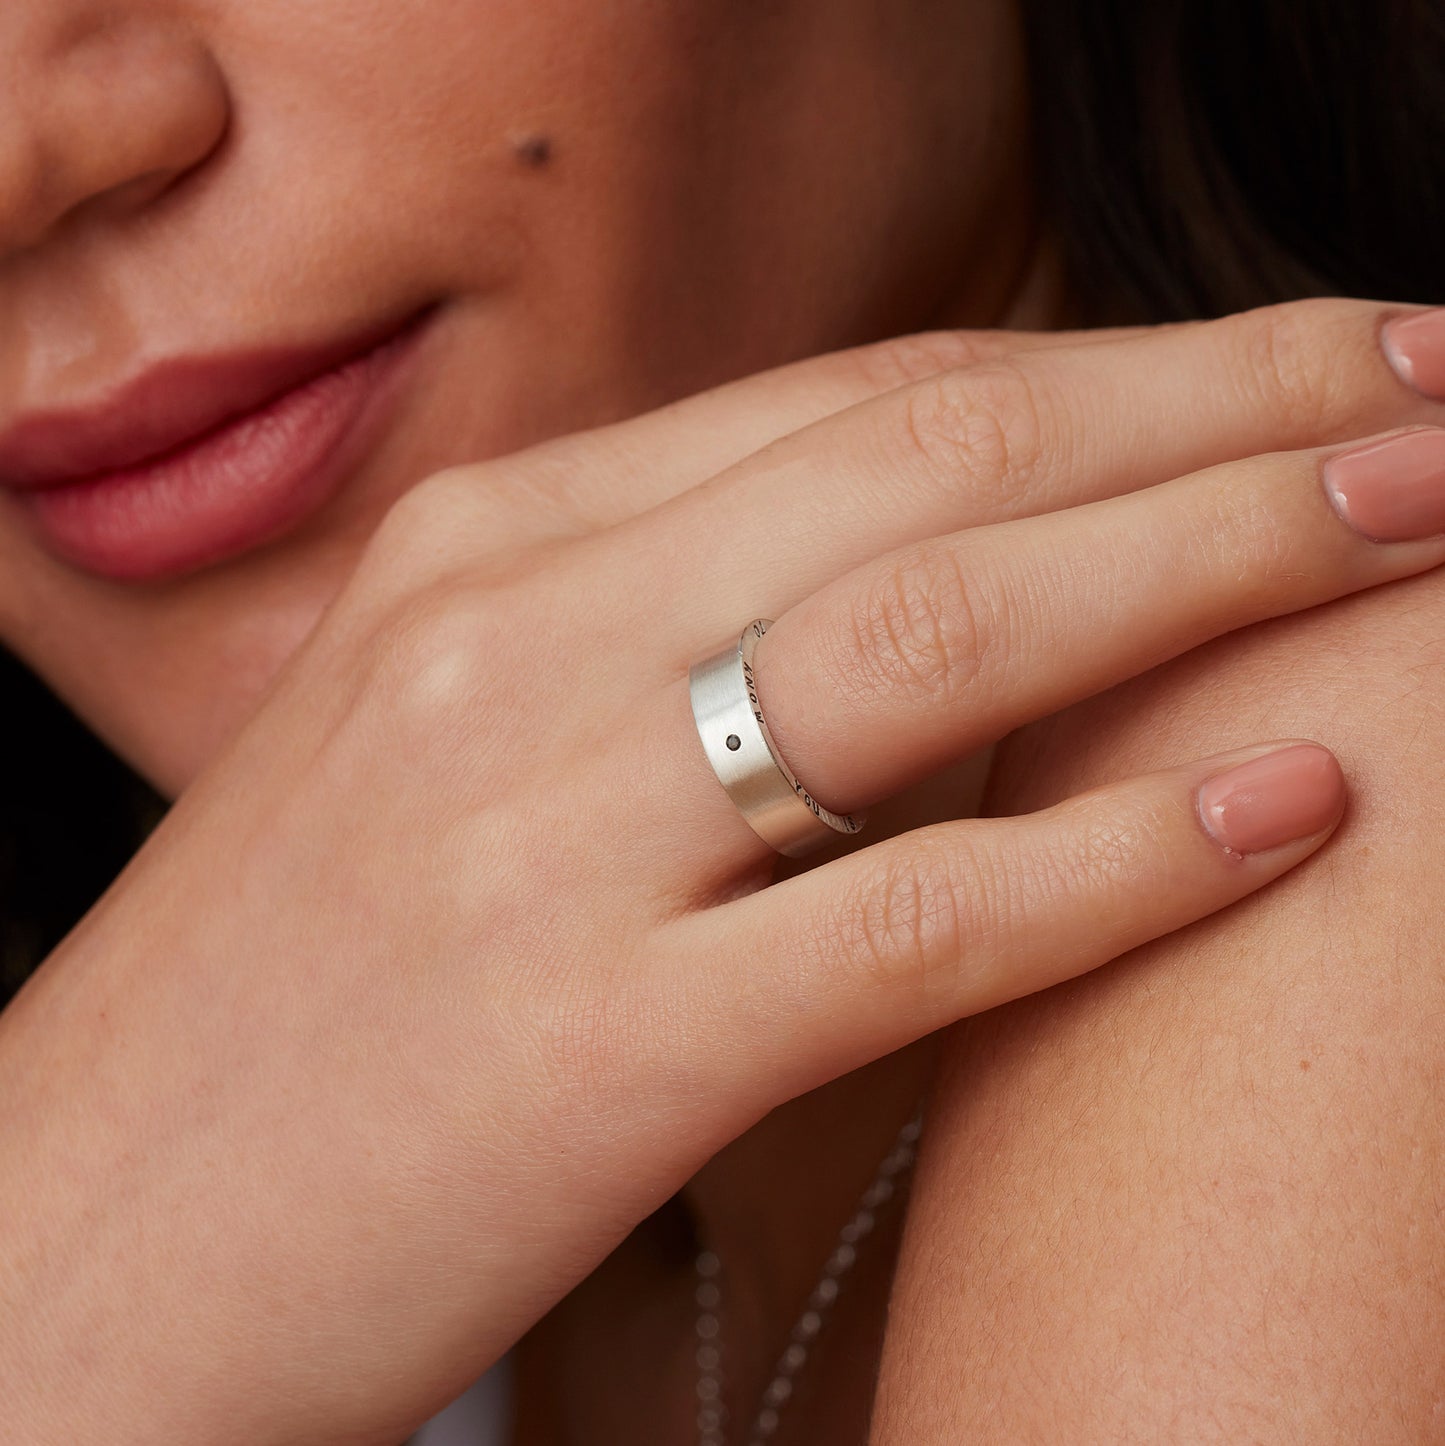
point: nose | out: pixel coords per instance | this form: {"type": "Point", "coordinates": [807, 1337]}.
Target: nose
{"type": "Point", "coordinates": [97, 118]}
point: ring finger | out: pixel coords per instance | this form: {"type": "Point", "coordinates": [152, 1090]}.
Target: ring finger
{"type": "Point", "coordinates": [914, 660]}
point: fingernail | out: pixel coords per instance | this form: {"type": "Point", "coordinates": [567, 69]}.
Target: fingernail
{"type": "Point", "coordinates": [1392, 490]}
{"type": "Point", "coordinates": [1415, 347]}
{"type": "Point", "coordinates": [1289, 794]}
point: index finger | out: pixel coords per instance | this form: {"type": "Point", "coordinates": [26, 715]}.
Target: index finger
{"type": "Point", "coordinates": [615, 472]}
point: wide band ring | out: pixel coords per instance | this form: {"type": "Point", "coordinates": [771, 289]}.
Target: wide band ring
{"type": "Point", "coordinates": [754, 774]}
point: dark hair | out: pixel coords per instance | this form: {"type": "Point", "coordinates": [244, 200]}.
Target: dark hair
{"type": "Point", "coordinates": [70, 816]}
{"type": "Point", "coordinates": [1199, 158]}
{"type": "Point", "coordinates": [1194, 158]}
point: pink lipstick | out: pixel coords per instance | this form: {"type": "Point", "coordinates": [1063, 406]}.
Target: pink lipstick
{"type": "Point", "coordinates": [198, 459]}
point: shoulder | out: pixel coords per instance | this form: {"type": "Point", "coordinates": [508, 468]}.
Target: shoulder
{"type": "Point", "coordinates": [1195, 1194]}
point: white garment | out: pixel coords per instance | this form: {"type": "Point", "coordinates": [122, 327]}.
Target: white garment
{"type": "Point", "coordinates": [480, 1416]}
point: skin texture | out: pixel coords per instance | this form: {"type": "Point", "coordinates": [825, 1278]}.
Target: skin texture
{"type": "Point", "coordinates": [606, 210]}
{"type": "Point", "coordinates": [608, 207]}
{"type": "Point", "coordinates": [407, 993]}
{"type": "Point", "coordinates": [1322, 376]}
{"type": "Point", "coordinates": [1140, 1222]}
{"type": "Point", "coordinates": [710, 174]}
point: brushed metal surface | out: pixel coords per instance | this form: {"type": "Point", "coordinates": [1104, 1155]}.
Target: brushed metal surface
{"type": "Point", "coordinates": [754, 774]}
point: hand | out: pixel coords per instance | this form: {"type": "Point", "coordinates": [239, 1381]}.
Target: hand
{"type": "Point", "coordinates": [458, 962]}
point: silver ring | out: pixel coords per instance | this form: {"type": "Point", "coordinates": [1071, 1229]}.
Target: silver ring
{"type": "Point", "coordinates": [735, 737]}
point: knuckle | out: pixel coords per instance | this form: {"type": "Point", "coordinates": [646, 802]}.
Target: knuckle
{"type": "Point", "coordinates": [418, 531]}
{"type": "Point", "coordinates": [1292, 358]}
{"type": "Point", "coordinates": [1268, 565]}
{"type": "Point", "coordinates": [886, 365]}
{"type": "Point", "coordinates": [428, 557]}
{"type": "Point", "coordinates": [919, 630]}
{"type": "Point", "coordinates": [1116, 850]}
{"type": "Point", "coordinates": [905, 924]}
{"type": "Point", "coordinates": [451, 520]}
{"type": "Point", "coordinates": [429, 648]}
{"type": "Point", "coordinates": [439, 674]}
{"type": "Point", "coordinates": [1226, 544]}
{"type": "Point", "coordinates": [980, 428]}
{"type": "Point", "coordinates": [429, 512]}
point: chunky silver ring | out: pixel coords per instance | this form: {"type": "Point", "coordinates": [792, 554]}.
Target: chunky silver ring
{"type": "Point", "coordinates": [735, 737]}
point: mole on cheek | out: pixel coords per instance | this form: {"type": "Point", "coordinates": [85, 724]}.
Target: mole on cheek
{"type": "Point", "coordinates": [533, 151]}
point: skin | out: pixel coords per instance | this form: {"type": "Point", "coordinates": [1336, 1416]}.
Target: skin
{"type": "Point", "coordinates": [471, 1083]}
{"type": "Point", "coordinates": [570, 292]}
{"type": "Point", "coordinates": [1222, 1223]}
{"type": "Point", "coordinates": [567, 285]}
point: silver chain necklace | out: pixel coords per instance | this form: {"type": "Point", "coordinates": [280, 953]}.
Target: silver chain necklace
{"type": "Point", "coordinates": [712, 1415]}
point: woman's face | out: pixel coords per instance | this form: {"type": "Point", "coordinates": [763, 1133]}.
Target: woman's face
{"type": "Point", "coordinates": [441, 230]}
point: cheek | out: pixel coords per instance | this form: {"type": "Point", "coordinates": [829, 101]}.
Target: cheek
{"type": "Point", "coordinates": [385, 155]}
{"type": "Point", "coordinates": [166, 676]}
{"type": "Point", "coordinates": [418, 132]}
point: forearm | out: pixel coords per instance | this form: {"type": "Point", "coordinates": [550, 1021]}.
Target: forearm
{"type": "Point", "coordinates": [1197, 1195]}
{"type": "Point", "coordinates": [225, 1217]}
{"type": "Point", "coordinates": [184, 1237]}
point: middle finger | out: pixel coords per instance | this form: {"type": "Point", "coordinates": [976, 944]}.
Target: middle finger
{"type": "Point", "coordinates": [1044, 430]}
{"type": "Point", "coordinates": [912, 661]}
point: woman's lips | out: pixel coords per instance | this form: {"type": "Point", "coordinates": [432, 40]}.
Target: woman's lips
{"type": "Point", "coordinates": [197, 461]}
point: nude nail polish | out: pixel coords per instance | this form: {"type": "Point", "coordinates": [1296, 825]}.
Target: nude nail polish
{"type": "Point", "coordinates": [1289, 794]}
{"type": "Point", "coordinates": [1392, 490]}
{"type": "Point", "coordinates": [1415, 347]}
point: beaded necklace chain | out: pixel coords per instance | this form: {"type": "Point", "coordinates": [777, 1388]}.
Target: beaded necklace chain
{"type": "Point", "coordinates": [707, 1267]}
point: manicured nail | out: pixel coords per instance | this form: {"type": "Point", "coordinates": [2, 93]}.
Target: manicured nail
{"type": "Point", "coordinates": [1289, 794]}
{"type": "Point", "coordinates": [1392, 490]}
{"type": "Point", "coordinates": [1415, 347]}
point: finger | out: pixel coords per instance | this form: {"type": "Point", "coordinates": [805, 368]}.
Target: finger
{"type": "Point", "coordinates": [1041, 430]}
{"type": "Point", "coordinates": [945, 645]}
{"type": "Point", "coordinates": [597, 478]}
{"type": "Point", "coordinates": [917, 659]}
{"type": "Point", "coordinates": [818, 974]}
